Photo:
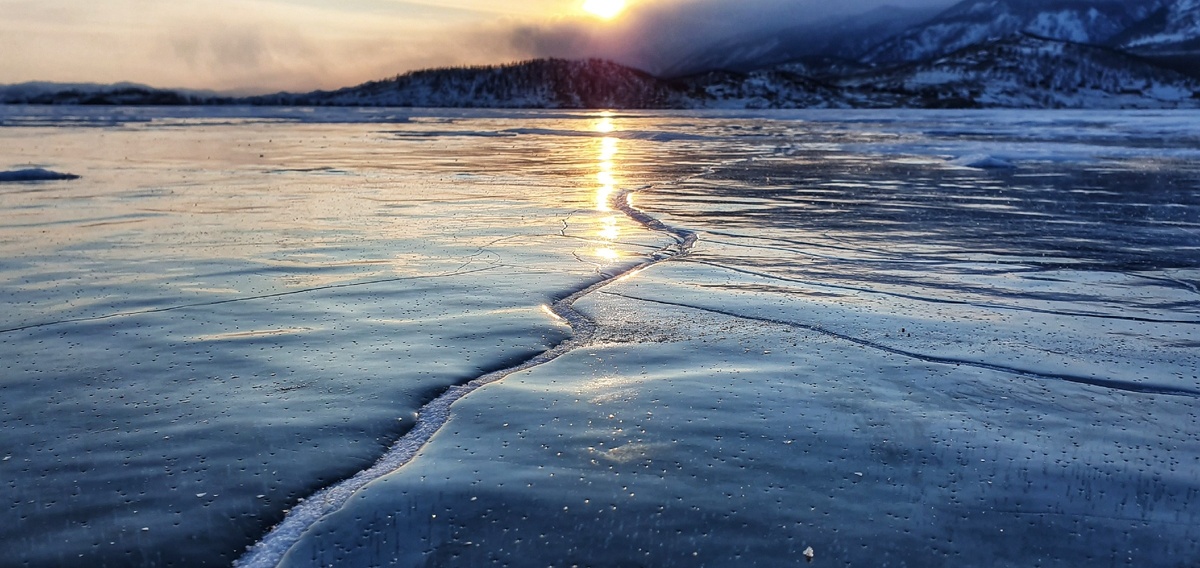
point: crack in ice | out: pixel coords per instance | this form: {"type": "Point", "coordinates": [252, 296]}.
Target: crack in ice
{"type": "Point", "coordinates": [1114, 384]}
{"type": "Point", "coordinates": [946, 301]}
{"type": "Point", "coordinates": [431, 417]}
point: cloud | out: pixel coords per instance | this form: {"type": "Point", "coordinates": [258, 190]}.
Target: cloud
{"type": "Point", "coordinates": [227, 54]}
{"type": "Point", "coordinates": [241, 45]}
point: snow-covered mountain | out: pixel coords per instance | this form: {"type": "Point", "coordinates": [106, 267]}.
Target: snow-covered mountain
{"type": "Point", "coordinates": [1027, 71]}
{"type": "Point", "coordinates": [974, 22]}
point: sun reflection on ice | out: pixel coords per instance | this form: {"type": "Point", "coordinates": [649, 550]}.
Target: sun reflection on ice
{"type": "Point", "coordinates": [609, 230]}
{"type": "Point", "coordinates": [606, 174]}
{"type": "Point", "coordinates": [605, 123]}
{"type": "Point", "coordinates": [607, 182]}
{"type": "Point", "coordinates": [608, 148]}
{"type": "Point", "coordinates": [607, 254]}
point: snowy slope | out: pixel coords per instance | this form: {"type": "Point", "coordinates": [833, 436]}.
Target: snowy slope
{"type": "Point", "coordinates": [762, 89]}
{"type": "Point", "coordinates": [978, 21]}
{"type": "Point", "coordinates": [1025, 71]}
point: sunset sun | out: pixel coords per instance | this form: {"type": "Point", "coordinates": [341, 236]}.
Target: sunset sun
{"type": "Point", "coordinates": [604, 9]}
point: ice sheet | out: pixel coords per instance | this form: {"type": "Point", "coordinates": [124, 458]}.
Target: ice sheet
{"type": "Point", "coordinates": [868, 350]}
{"type": "Point", "coordinates": [220, 319]}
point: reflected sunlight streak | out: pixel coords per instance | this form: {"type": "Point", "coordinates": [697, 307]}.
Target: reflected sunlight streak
{"type": "Point", "coordinates": [608, 148]}
{"type": "Point", "coordinates": [606, 176]}
{"type": "Point", "coordinates": [605, 125]}
{"type": "Point", "coordinates": [610, 231]}
{"type": "Point", "coordinates": [607, 165]}
{"type": "Point", "coordinates": [608, 254]}
{"type": "Point", "coordinates": [602, 196]}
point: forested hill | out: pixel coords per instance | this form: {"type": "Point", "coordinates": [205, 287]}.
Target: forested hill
{"type": "Point", "coordinates": [542, 83]}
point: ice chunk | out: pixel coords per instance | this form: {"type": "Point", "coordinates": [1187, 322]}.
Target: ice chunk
{"type": "Point", "coordinates": [981, 161]}
{"type": "Point", "coordinates": [34, 174]}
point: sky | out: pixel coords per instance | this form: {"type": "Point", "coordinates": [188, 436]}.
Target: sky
{"type": "Point", "coordinates": [254, 46]}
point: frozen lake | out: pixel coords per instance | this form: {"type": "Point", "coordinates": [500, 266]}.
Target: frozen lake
{"type": "Point", "coordinates": [466, 338]}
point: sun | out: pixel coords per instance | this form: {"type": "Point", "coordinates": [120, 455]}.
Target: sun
{"type": "Point", "coordinates": [604, 9]}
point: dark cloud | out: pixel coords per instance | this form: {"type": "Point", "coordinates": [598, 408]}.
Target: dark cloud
{"type": "Point", "coordinates": [654, 36]}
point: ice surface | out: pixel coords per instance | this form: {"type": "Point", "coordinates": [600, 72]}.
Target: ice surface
{"type": "Point", "coordinates": [255, 320]}
{"type": "Point", "coordinates": [865, 351]}
{"type": "Point", "coordinates": [888, 361]}
{"type": "Point", "coordinates": [724, 441]}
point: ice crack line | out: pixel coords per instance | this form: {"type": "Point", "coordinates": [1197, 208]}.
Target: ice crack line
{"type": "Point", "coordinates": [947, 301]}
{"type": "Point", "coordinates": [1113, 384]}
{"type": "Point", "coordinates": [431, 417]}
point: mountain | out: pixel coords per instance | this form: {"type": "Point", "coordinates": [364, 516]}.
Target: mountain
{"type": "Point", "coordinates": [566, 84]}
{"type": "Point", "coordinates": [1027, 71]}
{"type": "Point", "coordinates": [1170, 36]}
{"type": "Point", "coordinates": [1019, 71]}
{"type": "Point", "coordinates": [44, 93]}
{"type": "Point", "coordinates": [559, 83]}
{"type": "Point", "coordinates": [974, 22]}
